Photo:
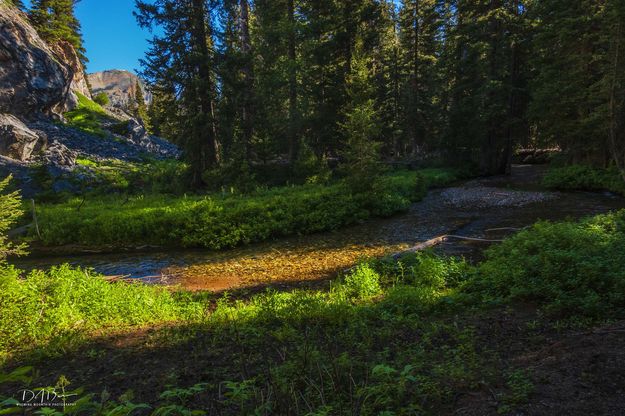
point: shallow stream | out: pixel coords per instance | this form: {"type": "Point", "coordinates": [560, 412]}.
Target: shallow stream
{"type": "Point", "coordinates": [478, 208]}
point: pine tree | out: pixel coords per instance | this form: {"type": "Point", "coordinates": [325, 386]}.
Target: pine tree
{"type": "Point", "coordinates": [614, 17]}
{"type": "Point", "coordinates": [388, 79]}
{"type": "Point", "coordinates": [10, 212]}
{"type": "Point", "coordinates": [181, 61]}
{"type": "Point", "coordinates": [141, 109]}
{"type": "Point", "coordinates": [18, 3]}
{"type": "Point", "coordinates": [362, 124]}
{"type": "Point", "coordinates": [162, 112]}
{"type": "Point", "coordinates": [485, 109]}
{"type": "Point", "coordinates": [569, 56]}
{"type": "Point", "coordinates": [247, 70]}
{"type": "Point", "coordinates": [55, 21]}
{"type": "Point", "coordinates": [420, 25]}
{"type": "Point", "coordinates": [276, 36]}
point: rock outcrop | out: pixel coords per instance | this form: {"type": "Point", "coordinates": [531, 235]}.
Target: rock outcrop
{"type": "Point", "coordinates": [16, 140]}
{"type": "Point", "coordinates": [119, 86]}
{"type": "Point", "coordinates": [78, 81]}
{"type": "Point", "coordinates": [38, 81]}
{"type": "Point", "coordinates": [33, 80]}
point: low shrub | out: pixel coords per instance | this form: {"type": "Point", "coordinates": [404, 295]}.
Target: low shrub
{"type": "Point", "coordinates": [101, 99]}
{"type": "Point", "coordinates": [568, 268]}
{"type": "Point", "coordinates": [120, 128]}
{"type": "Point", "coordinates": [223, 220]}
{"type": "Point", "coordinates": [363, 282]}
{"type": "Point", "coordinates": [585, 178]}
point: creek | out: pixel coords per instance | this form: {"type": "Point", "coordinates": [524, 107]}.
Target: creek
{"type": "Point", "coordinates": [489, 208]}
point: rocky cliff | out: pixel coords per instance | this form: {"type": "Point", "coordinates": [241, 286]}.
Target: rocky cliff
{"type": "Point", "coordinates": [119, 86]}
{"type": "Point", "coordinates": [78, 80]}
{"type": "Point", "coordinates": [38, 84]}
{"type": "Point", "coordinates": [33, 80]}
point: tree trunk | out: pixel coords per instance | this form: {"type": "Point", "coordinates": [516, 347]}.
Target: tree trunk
{"type": "Point", "coordinates": [506, 163]}
{"type": "Point", "coordinates": [415, 81]}
{"type": "Point", "coordinates": [247, 110]}
{"type": "Point", "coordinates": [208, 149]}
{"type": "Point", "coordinates": [293, 113]}
{"type": "Point", "coordinates": [615, 124]}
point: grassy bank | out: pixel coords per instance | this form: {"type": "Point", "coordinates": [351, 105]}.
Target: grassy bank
{"type": "Point", "coordinates": [54, 307]}
{"type": "Point", "coordinates": [87, 116]}
{"type": "Point", "coordinates": [390, 338]}
{"type": "Point", "coordinates": [227, 220]}
{"type": "Point", "coordinates": [584, 178]}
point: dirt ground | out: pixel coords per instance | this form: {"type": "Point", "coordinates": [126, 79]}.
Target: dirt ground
{"type": "Point", "coordinates": [573, 372]}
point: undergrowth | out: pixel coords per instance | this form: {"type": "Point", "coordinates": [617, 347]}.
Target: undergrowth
{"type": "Point", "coordinates": [87, 116]}
{"type": "Point", "coordinates": [388, 338]}
{"type": "Point", "coordinates": [568, 268]}
{"type": "Point", "coordinates": [585, 178]}
{"type": "Point", "coordinates": [383, 339]}
{"type": "Point", "coordinates": [53, 307]}
{"type": "Point", "coordinates": [226, 220]}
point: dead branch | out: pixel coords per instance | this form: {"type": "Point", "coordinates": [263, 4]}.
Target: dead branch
{"type": "Point", "coordinates": [438, 240]}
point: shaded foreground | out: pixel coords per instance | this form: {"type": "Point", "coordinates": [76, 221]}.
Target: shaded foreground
{"type": "Point", "coordinates": [536, 328]}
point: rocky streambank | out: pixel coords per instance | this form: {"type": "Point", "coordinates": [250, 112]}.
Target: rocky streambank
{"type": "Point", "coordinates": [56, 148]}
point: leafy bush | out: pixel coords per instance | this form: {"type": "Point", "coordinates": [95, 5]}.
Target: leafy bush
{"type": "Point", "coordinates": [568, 268]}
{"type": "Point", "coordinates": [425, 269]}
{"type": "Point", "coordinates": [363, 282]}
{"type": "Point", "coordinates": [309, 168]}
{"type": "Point", "coordinates": [120, 128]}
{"type": "Point", "coordinates": [234, 176]}
{"type": "Point", "coordinates": [101, 99]}
{"type": "Point", "coordinates": [222, 221]}
{"type": "Point", "coordinates": [163, 176]}
{"type": "Point", "coordinates": [586, 178]}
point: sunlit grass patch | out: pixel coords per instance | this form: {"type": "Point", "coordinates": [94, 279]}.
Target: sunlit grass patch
{"type": "Point", "coordinates": [223, 220]}
{"type": "Point", "coordinates": [87, 116]}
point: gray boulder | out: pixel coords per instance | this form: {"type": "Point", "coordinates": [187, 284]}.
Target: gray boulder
{"type": "Point", "coordinates": [16, 140]}
{"type": "Point", "coordinates": [32, 79]}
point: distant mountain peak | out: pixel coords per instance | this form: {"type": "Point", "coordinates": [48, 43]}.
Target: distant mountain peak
{"type": "Point", "coordinates": [119, 85]}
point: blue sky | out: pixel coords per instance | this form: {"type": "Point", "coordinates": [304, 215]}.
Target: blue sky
{"type": "Point", "coordinates": [112, 37]}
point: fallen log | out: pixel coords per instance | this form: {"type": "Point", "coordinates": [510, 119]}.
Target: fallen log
{"type": "Point", "coordinates": [431, 243]}
{"type": "Point", "coordinates": [438, 240]}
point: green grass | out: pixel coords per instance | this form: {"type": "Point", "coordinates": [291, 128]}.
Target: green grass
{"type": "Point", "coordinates": [585, 178]}
{"type": "Point", "coordinates": [349, 334]}
{"type": "Point", "coordinates": [51, 307]}
{"type": "Point", "coordinates": [384, 339]}
{"type": "Point", "coordinates": [87, 116]}
{"type": "Point", "coordinates": [226, 220]}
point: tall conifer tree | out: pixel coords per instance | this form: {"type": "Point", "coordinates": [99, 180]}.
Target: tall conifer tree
{"type": "Point", "coordinates": [181, 59]}
{"type": "Point", "coordinates": [55, 20]}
